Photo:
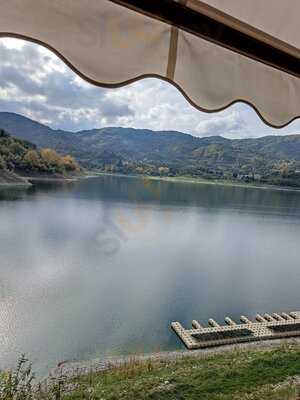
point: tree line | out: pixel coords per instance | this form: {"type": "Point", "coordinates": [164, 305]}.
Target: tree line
{"type": "Point", "coordinates": [20, 156]}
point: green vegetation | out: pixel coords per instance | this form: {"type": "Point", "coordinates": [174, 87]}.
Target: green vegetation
{"type": "Point", "coordinates": [261, 161]}
{"type": "Point", "coordinates": [268, 160]}
{"type": "Point", "coordinates": [255, 375]}
{"type": "Point", "coordinates": [18, 157]}
{"type": "Point", "coordinates": [20, 384]}
{"type": "Point", "coordinates": [17, 384]}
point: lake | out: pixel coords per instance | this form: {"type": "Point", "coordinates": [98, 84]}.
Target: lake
{"type": "Point", "coordinates": [102, 266]}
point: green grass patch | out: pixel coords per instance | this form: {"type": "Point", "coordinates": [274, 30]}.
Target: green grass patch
{"type": "Point", "coordinates": [237, 375]}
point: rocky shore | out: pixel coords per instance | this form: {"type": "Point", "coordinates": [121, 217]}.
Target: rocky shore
{"type": "Point", "coordinates": [9, 179]}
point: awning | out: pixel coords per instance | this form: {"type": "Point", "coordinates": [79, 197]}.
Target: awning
{"type": "Point", "coordinates": [215, 52]}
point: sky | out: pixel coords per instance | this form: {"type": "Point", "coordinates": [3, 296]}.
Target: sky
{"type": "Point", "coordinates": [36, 83]}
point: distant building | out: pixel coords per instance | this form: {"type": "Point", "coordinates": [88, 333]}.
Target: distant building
{"type": "Point", "coordinates": [247, 177]}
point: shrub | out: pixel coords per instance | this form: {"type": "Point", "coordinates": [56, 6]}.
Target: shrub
{"type": "Point", "coordinates": [17, 384]}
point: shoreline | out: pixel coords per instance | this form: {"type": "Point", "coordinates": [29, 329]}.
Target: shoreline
{"type": "Point", "coordinates": [178, 179]}
{"type": "Point", "coordinates": [185, 179]}
{"type": "Point", "coordinates": [49, 179]}
{"type": "Point", "coordinates": [58, 179]}
{"type": "Point", "coordinates": [28, 181]}
{"type": "Point", "coordinates": [72, 369]}
{"type": "Point", "coordinates": [15, 185]}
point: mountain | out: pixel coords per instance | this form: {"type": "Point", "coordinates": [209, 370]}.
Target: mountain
{"type": "Point", "coordinates": [275, 158]}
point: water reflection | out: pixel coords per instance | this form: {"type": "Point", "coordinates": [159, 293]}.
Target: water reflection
{"type": "Point", "coordinates": [103, 265]}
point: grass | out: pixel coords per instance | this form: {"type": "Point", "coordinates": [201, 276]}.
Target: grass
{"type": "Point", "coordinates": [247, 375]}
{"type": "Point", "coordinates": [237, 375]}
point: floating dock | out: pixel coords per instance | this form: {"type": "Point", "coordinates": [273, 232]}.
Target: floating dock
{"type": "Point", "coordinates": [265, 327]}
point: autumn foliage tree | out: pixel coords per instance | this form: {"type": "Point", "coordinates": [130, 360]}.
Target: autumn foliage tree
{"type": "Point", "coordinates": [32, 158]}
{"type": "Point", "coordinates": [48, 160]}
{"type": "Point", "coordinates": [21, 156]}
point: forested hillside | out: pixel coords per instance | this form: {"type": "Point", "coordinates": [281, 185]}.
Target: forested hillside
{"type": "Point", "coordinates": [19, 157]}
{"type": "Point", "coordinates": [271, 159]}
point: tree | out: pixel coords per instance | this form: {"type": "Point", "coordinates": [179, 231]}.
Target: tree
{"type": "Point", "coordinates": [70, 163]}
{"type": "Point", "coordinates": [32, 159]}
{"type": "Point", "coordinates": [50, 156]}
{"type": "Point", "coordinates": [2, 163]}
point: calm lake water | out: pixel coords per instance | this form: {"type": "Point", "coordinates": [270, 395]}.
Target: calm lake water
{"type": "Point", "coordinates": [103, 265]}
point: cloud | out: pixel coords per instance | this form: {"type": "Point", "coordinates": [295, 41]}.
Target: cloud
{"type": "Point", "coordinates": [35, 83]}
{"type": "Point", "coordinates": [230, 123]}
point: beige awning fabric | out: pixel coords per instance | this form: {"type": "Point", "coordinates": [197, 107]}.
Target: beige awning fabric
{"type": "Point", "coordinates": [215, 52]}
{"type": "Point", "coordinates": [277, 18]}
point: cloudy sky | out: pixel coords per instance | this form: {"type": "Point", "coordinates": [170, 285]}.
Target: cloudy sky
{"type": "Point", "coordinates": [35, 83]}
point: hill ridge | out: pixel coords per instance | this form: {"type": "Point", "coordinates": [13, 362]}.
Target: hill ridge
{"type": "Point", "coordinates": [273, 159]}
